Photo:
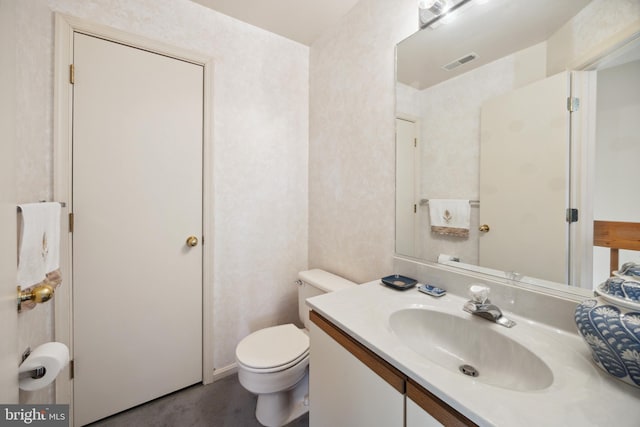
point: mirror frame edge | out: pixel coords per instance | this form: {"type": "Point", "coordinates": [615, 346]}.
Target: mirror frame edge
{"type": "Point", "coordinates": [562, 291]}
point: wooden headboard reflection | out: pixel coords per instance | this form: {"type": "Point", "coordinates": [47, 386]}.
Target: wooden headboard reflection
{"type": "Point", "coordinates": [616, 235]}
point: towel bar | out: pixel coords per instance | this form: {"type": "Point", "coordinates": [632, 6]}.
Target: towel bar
{"type": "Point", "coordinates": [471, 202]}
{"type": "Point", "coordinates": [63, 204]}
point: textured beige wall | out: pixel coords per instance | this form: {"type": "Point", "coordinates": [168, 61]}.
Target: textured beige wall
{"type": "Point", "coordinates": [590, 31]}
{"type": "Point", "coordinates": [351, 140]}
{"type": "Point", "coordinates": [260, 145]}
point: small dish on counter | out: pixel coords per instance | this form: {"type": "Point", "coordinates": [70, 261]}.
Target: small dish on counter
{"type": "Point", "coordinates": [399, 282]}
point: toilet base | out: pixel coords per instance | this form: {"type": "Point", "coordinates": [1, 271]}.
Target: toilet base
{"type": "Point", "coordinates": [278, 409]}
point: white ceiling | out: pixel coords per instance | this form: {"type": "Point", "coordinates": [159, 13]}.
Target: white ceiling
{"type": "Point", "coordinates": [299, 20]}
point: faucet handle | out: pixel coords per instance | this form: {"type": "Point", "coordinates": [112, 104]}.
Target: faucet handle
{"type": "Point", "coordinates": [479, 293]}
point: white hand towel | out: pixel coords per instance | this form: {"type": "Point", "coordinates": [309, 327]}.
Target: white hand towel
{"type": "Point", "coordinates": [450, 217]}
{"type": "Point", "coordinates": [39, 251]}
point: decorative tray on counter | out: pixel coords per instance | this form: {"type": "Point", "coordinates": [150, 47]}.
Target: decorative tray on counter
{"type": "Point", "coordinates": [397, 281]}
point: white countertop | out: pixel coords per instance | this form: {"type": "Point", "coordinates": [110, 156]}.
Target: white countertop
{"type": "Point", "coordinates": [581, 393]}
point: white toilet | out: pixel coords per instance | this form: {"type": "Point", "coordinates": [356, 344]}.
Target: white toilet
{"type": "Point", "coordinates": [274, 362]}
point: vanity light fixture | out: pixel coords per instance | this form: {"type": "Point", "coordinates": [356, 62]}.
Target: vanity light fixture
{"type": "Point", "coordinates": [436, 7]}
{"type": "Point", "coordinates": [432, 11]}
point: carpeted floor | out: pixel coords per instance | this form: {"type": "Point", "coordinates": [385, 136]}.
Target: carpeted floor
{"type": "Point", "coordinates": [224, 403]}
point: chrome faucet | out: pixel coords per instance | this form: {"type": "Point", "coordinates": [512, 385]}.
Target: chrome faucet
{"type": "Point", "coordinates": [480, 305]}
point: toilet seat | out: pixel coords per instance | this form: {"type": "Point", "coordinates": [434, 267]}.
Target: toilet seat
{"type": "Point", "coordinates": [273, 349]}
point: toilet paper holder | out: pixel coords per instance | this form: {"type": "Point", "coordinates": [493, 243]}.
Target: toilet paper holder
{"type": "Point", "coordinates": [36, 373]}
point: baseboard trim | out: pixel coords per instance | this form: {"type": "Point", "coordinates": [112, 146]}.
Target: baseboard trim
{"type": "Point", "coordinates": [225, 371]}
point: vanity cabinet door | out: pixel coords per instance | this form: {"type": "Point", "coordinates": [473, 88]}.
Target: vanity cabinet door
{"type": "Point", "coordinates": [346, 388]}
{"type": "Point", "coordinates": [426, 410]}
{"type": "Point", "coordinates": [418, 417]}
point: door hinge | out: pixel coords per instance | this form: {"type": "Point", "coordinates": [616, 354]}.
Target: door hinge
{"type": "Point", "coordinates": [71, 369]}
{"type": "Point", "coordinates": [572, 215]}
{"type": "Point", "coordinates": [415, 208]}
{"type": "Point", "coordinates": [72, 74]}
{"type": "Point", "coordinates": [573, 104]}
{"type": "Point", "coordinates": [415, 142]}
{"type": "Point", "coordinates": [71, 221]}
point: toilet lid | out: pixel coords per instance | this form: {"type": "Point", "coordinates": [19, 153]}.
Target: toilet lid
{"type": "Point", "coordinates": [272, 347]}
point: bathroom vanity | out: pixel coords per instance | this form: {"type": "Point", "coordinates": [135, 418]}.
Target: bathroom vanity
{"type": "Point", "coordinates": [366, 397]}
{"type": "Point", "coordinates": [381, 357]}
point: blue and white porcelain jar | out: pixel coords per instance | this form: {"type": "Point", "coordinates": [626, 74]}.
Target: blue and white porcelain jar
{"type": "Point", "coordinates": [630, 270]}
{"type": "Point", "coordinates": [610, 324]}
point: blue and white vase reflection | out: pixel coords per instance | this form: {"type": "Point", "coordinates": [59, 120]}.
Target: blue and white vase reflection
{"type": "Point", "coordinates": [626, 288]}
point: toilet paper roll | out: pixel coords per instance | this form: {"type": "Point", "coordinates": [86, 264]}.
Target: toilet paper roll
{"type": "Point", "coordinates": [52, 356]}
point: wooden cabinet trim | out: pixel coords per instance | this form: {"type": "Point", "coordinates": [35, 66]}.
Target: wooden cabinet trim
{"type": "Point", "coordinates": [386, 371]}
{"type": "Point", "coordinates": [616, 235]}
{"type": "Point", "coordinates": [437, 408]}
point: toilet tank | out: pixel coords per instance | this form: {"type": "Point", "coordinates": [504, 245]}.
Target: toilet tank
{"type": "Point", "coordinates": [317, 282]}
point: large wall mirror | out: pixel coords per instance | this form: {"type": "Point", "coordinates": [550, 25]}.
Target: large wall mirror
{"type": "Point", "coordinates": [507, 151]}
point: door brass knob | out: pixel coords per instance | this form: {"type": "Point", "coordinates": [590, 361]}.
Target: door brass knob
{"type": "Point", "coordinates": [192, 241]}
{"type": "Point", "coordinates": [484, 228]}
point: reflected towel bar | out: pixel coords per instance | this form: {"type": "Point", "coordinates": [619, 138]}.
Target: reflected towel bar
{"type": "Point", "coordinates": [471, 202]}
{"type": "Point", "coordinates": [63, 204]}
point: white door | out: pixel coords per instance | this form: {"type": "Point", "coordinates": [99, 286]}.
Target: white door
{"type": "Point", "coordinates": [406, 206]}
{"type": "Point", "coordinates": [525, 137]}
{"type": "Point", "coordinates": [137, 197]}
{"type": "Point", "coordinates": [9, 353]}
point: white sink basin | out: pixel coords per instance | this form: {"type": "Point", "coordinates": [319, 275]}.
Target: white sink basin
{"type": "Point", "coordinates": [453, 341]}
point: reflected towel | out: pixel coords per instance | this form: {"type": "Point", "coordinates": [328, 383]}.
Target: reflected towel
{"type": "Point", "coordinates": [451, 217]}
{"type": "Point", "coordinates": [39, 243]}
